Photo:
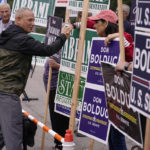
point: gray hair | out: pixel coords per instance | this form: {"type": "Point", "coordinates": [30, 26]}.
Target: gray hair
{"type": "Point", "coordinates": [4, 5]}
{"type": "Point", "coordinates": [20, 12]}
{"type": "Point", "coordinates": [126, 8]}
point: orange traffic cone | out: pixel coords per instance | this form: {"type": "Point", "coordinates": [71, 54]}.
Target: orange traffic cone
{"type": "Point", "coordinates": [68, 141]}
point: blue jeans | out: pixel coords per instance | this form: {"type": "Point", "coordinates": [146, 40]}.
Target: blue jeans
{"type": "Point", "coordinates": [116, 140]}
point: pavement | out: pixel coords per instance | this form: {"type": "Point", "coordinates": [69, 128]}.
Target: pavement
{"type": "Point", "coordinates": [35, 89]}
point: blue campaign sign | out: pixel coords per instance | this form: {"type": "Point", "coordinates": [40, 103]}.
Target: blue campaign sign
{"type": "Point", "coordinates": [64, 110]}
{"type": "Point", "coordinates": [140, 87]}
{"type": "Point", "coordinates": [94, 117]}
{"type": "Point", "coordinates": [100, 52]}
{"type": "Point", "coordinates": [143, 15]}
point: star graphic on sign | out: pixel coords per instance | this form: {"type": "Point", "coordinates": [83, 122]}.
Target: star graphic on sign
{"type": "Point", "coordinates": [121, 111]}
{"type": "Point", "coordinates": [94, 118]}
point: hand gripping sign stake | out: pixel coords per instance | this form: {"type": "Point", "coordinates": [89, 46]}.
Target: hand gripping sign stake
{"type": "Point", "coordinates": [68, 141]}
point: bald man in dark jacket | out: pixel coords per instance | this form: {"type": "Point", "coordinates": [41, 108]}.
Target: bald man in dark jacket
{"type": "Point", "coordinates": [16, 51]}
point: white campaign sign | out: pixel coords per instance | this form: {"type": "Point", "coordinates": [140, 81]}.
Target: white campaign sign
{"type": "Point", "coordinates": [40, 8]}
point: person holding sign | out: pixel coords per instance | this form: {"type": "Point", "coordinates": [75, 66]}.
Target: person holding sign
{"type": "Point", "coordinates": [124, 66]}
{"type": "Point", "coordinates": [128, 66]}
{"type": "Point", "coordinates": [16, 51]}
{"type": "Point", "coordinates": [106, 26]}
{"type": "Point", "coordinates": [59, 122]}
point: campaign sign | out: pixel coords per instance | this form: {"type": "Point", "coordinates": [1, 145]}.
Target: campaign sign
{"type": "Point", "coordinates": [94, 110]}
{"type": "Point", "coordinates": [61, 3]}
{"type": "Point", "coordinates": [117, 91]}
{"type": "Point", "coordinates": [65, 89]}
{"type": "Point", "coordinates": [70, 49]}
{"type": "Point", "coordinates": [38, 36]}
{"type": "Point", "coordinates": [67, 69]}
{"type": "Point", "coordinates": [94, 117]}
{"type": "Point", "coordinates": [94, 5]}
{"type": "Point", "coordinates": [100, 52]}
{"type": "Point", "coordinates": [65, 110]}
{"type": "Point", "coordinates": [54, 26]}
{"type": "Point", "coordinates": [140, 89]}
{"type": "Point", "coordinates": [40, 8]}
{"type": "Point", "coordinates": [132, 16]}
{"type": "Point", "coordinates": [133, 11]}
{"type": "Point", "coordinates": [40, 61]}
{"type": "Point", "coordinates": [143, 15]}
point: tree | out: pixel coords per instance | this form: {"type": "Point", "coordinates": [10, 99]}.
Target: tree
{"type": "Point", "coordinates": [10, 2]}
{"type": "Point", "coordinates": [113, 3]}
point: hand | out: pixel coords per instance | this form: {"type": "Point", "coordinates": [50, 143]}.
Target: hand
{"type": "Point", "coordinates": [67, 30]}
{"type": "Point", "coordinates": [54, 64]}
{"type": "Point", "coordinates": [77, 25]}
{"type": "Point", "coordinates": [107, 41]}
{"type": "Point", "coordinates": [120, 66]}
{"type": "Point", "coordinates": [110, 37]}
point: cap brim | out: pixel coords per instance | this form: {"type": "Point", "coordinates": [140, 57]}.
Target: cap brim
{"type": "Point", "coordinates": [94, 18]}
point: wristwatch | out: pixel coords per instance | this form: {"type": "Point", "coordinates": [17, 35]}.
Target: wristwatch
{"type": "Point", "coordinates": [126, 66]}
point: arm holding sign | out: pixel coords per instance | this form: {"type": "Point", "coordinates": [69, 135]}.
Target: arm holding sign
{"type": "Point", "coordinates": [128, 43]}
{"type": "Point", "coordinates": [54, 64]}
{"type": "Point", "coordinates": [122, 66]}
{"type": "Point", "coordinates": [106, 26]}
{"type": "Point", "coordinates": [110, 37]}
